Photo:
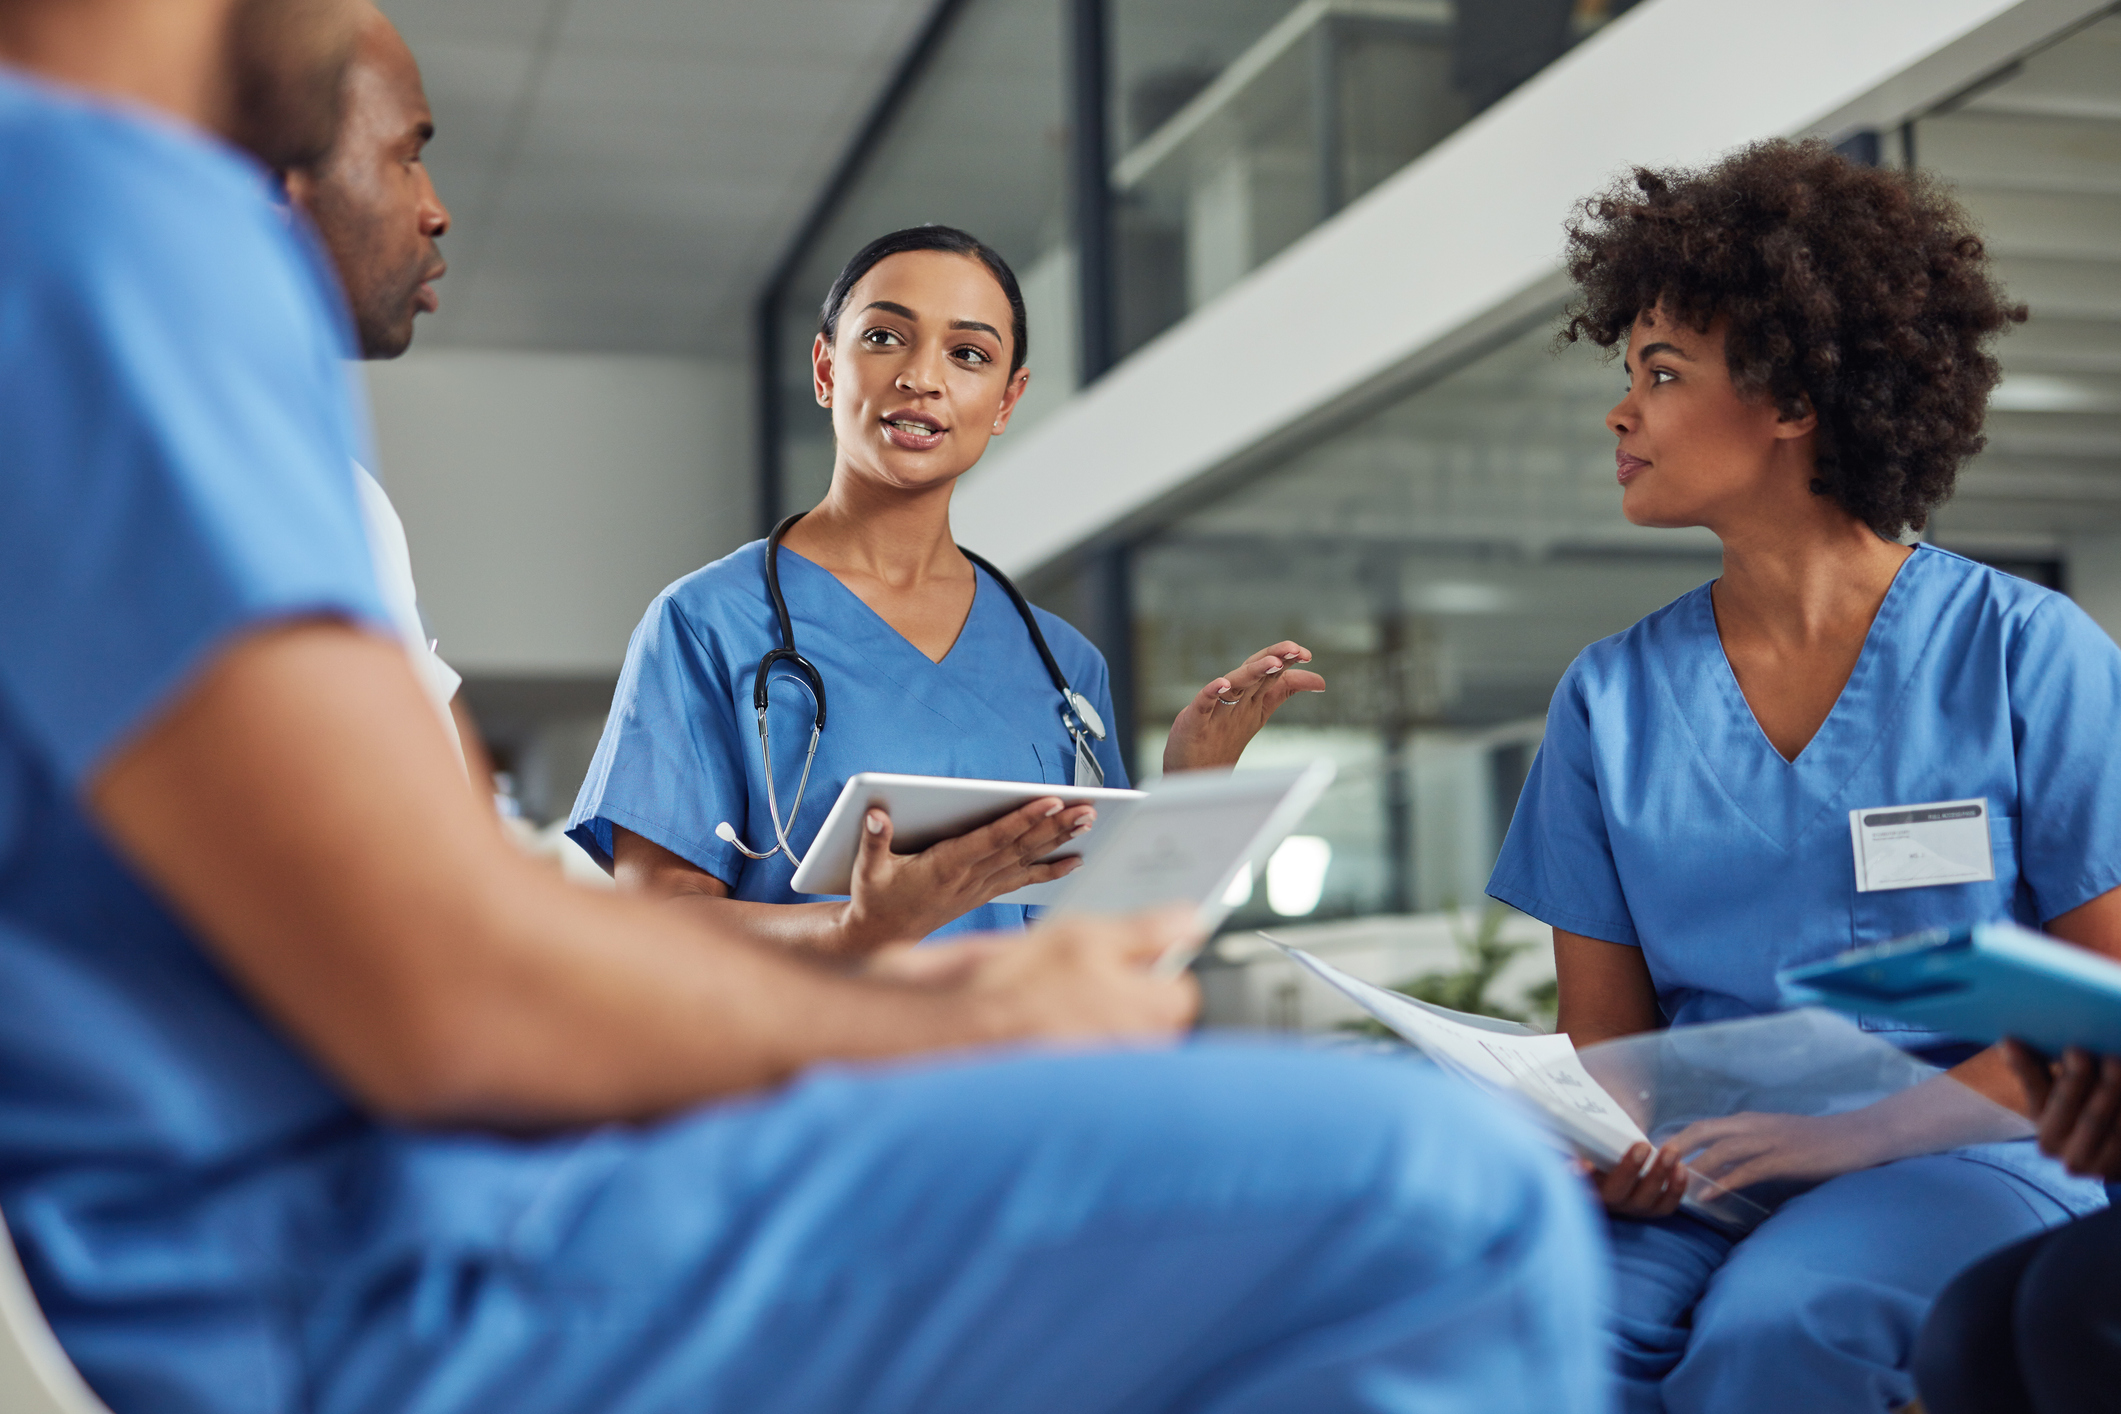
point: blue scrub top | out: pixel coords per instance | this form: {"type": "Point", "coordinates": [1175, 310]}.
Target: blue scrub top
{"type": "Point", "coordinates": [1657, 814]}
{"type": "Point", "coordinates": [175, 470]}
{"type": "Point", "coordinates": [680, 752]}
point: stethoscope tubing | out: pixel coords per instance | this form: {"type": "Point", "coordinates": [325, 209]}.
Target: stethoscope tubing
{"type": "Point", "coordinates": [1074, 709]}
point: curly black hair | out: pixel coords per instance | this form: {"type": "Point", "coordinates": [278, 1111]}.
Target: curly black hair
{"type": "Point", "coordinates": [1861, 292]}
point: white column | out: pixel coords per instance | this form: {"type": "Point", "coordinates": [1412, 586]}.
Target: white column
{"type": "Point", "coordinates": [2092, 571]}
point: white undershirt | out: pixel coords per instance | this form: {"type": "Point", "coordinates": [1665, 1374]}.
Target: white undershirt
{"type": "Point", "coordinates": [401, 600]}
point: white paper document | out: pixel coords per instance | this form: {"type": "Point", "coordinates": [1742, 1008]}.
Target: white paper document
{"type": "Point", "coordinates": [1543, 1071]}
{"type": "Point", "coordinates": [1915, 846]}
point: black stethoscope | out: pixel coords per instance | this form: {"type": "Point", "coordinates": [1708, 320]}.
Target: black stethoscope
{"type": "Point", "coordinates": [1077, 716]}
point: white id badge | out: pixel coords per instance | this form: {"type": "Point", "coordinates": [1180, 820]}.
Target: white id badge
{"type": "Point", "coordinates": [1914, 846]}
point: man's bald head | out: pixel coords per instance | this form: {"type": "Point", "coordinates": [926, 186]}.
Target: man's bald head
{"type": "Point", "coordinates": [287, 59]}
{"type": "Point", "coordinates": [370, 196]}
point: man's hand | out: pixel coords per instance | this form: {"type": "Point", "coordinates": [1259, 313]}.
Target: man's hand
{"type": "Point", "coordinates": [1077, 977]}
{"type": "Point", "coordinates": [935, 966]}
{"type": "Point", "coordinates": [903, 897]}
{"type": "Point", "coordinates": [2077, 1104]}
{"type": "Point", "coordinates": [1215, 727]}
{"type": "Point", "coordinates": [1087, 979]}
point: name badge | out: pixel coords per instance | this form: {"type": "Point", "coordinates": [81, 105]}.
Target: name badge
{"type": "Point", "coordinates": [1915, 846]}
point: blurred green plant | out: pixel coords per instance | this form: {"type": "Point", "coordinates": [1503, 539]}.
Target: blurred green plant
{"type": "Point", "coordinates": [1484, 955]}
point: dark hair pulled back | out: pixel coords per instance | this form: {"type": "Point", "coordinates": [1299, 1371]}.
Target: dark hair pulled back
{"type": "Point", "coordinates": [950, 240]}
{"type": "Point", "coordinates": [1863, 294]}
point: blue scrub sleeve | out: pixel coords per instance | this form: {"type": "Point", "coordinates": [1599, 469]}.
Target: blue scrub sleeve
{"type": "Point", "coordinates": [1557, 860]}
{"type": "Point", "coordinates": [671, 763]}
{"type": "Point", "coordinates": [2065, 677]}
{"type": "Point", "coordinates": [176, 460]}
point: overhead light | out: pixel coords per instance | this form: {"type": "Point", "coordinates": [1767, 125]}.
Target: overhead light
{"type": "Point", "coordinates": [1461, 596]}
{"type": "Point", "coordinates": [1296, 875]}
{"type": "Point", "coordinates": [2045, 392]}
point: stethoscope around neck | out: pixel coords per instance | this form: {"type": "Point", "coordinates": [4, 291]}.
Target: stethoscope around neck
{"type": "Point", "coordinates": [1078, 717]}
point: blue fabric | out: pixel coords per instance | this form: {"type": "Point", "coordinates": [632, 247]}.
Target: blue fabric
{"type": "Point", "coordinates": [680, 752]}
{"type": "Point", "coordinates": [1657, 815]}
{"type": "Point", "coordinates": [175, 464]}
{"type": "Point", "coordinates": [1819, 1307]}
{"type": "Point", "coordinates": [1216, 1228]}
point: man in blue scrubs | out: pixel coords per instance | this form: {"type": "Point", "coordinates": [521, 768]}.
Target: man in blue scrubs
{"type": "Point", "coordinates": [313, 1094]}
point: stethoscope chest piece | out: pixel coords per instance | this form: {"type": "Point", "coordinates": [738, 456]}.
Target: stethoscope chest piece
{"type": "Point", "coordinates": [1087, 713]}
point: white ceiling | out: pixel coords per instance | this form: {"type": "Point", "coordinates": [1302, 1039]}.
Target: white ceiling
{"type": "Point", "coordinates": [623, 173]}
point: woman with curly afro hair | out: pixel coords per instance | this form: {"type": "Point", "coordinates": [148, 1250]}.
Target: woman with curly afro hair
{"type": "Point", "coordinates": [1807, 352]}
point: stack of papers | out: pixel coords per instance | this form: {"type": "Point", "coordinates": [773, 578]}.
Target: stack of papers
{"type": "Point", "coordinates": [1540, 1071]}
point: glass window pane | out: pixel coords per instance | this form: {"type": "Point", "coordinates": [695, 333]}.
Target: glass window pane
{"type": "Point", "coordinates": [1445, 557]}
{"type": "Point", "coordinates": [1243, 124]}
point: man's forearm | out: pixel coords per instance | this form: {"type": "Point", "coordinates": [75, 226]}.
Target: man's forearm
{"type": "Point", "coordinates": [441, 976]}
{"type": "Point", "coordinates": [635, 1012]}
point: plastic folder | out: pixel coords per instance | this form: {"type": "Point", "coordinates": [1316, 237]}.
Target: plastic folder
{"type": "Point", "coordinates": [1981, 983]}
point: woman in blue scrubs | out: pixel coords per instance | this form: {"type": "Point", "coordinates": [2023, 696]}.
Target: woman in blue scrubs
{"type": "Point", "coordinates": [1808, 368]}
{"type": "Point", "coordinates": [928, 662]}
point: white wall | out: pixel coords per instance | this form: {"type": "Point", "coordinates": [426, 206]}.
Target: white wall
{"type": "Point", "coordinates": [1403, 277]}
{"type": "Point", "coordinates": [2092, 566]}
{"type": "Point", "coordinates": [548, 497]}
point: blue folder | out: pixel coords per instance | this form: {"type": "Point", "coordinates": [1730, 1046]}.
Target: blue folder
{"type": "Point", "coordinates": [1981, 983]}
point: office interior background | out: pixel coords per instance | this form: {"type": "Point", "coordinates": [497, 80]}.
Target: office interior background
{"type": "Point", "coordinates": [1292, 272]}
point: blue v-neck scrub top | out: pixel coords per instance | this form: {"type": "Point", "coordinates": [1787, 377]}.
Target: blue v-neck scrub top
{"type": "Point", "coordinates": [1658, 815]}
{"type": "Point", "coordinates": [680, 751]}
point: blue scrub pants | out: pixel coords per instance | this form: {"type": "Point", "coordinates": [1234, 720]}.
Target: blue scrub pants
{"type": "Point", "coordinates": [1818, 1308]}
{"type": "Point", "coordinates": [2034, 1329]}
{"type": "Point", "coordinates": [1219, 1227]}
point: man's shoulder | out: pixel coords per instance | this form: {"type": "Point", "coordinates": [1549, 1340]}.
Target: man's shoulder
{"type": "Point", "coordinates": [64, 155]}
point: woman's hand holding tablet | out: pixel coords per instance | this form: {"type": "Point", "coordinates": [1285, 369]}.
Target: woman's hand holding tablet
{"type": "Point", "coordinates": [2076, 1101]}
{"type": "Point", "coordinates": [896, 898]}
{"type": "Point", "coordinates": [902, 897]}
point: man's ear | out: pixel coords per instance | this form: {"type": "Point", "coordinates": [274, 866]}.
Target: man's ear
{"type": "Point", "coordinates": [1011, 396]}
{"type": "Point", "coordinates": [821, 371]}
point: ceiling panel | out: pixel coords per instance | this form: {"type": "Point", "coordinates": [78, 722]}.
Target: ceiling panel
{"type": "Point", "coordinates": [622, 174]}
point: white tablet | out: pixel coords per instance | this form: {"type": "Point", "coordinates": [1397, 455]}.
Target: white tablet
{"type": "Point", "coordinates": [1189, 838]}
{"type": "Point", "coordinates": [926, 810]}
